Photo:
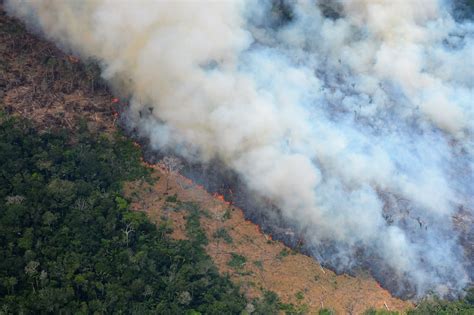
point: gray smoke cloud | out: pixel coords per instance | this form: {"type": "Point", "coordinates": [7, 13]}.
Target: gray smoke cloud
{"type": "Point", "coordinates": [358, 125]}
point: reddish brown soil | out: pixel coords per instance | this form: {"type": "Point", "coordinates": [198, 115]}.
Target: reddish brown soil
{"type": "Point", "coordinates": [270, 265]}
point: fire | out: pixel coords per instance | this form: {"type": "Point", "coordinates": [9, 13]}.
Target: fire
{"type": "Point", "coordinates": [221, 198]}
{"type": "Point", "coordinates": [118, 108]}
{"type": "Point", "coordinates": [73, 59]}
{"type": "Point", "coordinates": [268, 237]}
{"type": "Point", "coordinates": [149, 165]}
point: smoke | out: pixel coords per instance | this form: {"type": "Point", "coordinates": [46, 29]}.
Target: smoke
{"type": "Point", "coordinates": [354, 117]}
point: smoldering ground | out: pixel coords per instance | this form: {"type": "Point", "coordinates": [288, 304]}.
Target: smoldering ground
{"type": "Point", "coordinates": [354, 118]}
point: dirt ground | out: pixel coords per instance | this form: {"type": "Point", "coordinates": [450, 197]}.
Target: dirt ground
{"type": "Point", "coordinates": [54, 89]}
{"type": "Point", "coordinates": [49, 87]}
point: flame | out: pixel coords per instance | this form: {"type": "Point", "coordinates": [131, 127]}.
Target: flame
{"type": "Point", "coordinates": [221, 198]}
{"type": "Point", "coordinates": [149, 165]}
{"type": "Point", "coordinates": [73, 59]}
{"type": "Point", "coordinates": [268, 237]}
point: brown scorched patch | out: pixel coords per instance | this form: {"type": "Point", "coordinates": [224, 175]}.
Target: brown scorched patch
{"type": "Point", "coordinates": [269, 265]}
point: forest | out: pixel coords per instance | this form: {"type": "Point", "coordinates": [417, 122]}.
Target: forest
{"type": "Point", "coordinates": [68, 244]}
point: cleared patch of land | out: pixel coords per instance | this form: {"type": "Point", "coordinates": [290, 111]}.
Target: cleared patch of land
{"type": "Point", "coordinates": [251, 258]}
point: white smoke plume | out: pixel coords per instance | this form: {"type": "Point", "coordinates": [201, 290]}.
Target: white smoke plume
{"type": "Point", "coordinates": [358, 126]}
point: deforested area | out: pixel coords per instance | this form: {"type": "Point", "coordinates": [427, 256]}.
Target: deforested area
{"type": "Point", "coordinates": [343, 129]}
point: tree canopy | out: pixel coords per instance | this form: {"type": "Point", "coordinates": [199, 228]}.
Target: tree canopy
{"type": "Point", "coordinates": [69, 244]}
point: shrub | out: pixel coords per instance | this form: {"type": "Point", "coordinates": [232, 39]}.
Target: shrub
{"type": "Point", "coordinates": [236, 261]}
{"type": "Point", "coordinates": [223, 234]}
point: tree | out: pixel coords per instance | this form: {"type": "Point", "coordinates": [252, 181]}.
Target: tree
{"type": "Point", "coordinates": [10, 283]}
{"type": "Point", "coordinates": [32, 272]}
{"type": "Point", "coordinates": [128, 229]}
{"type": "Point", "coordinates": [170, 165]}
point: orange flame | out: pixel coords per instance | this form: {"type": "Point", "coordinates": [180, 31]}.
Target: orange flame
{"type": "Point", "coordinates": [73, 59]}
{"type": "Point", "coordinates": [221, 199]}
{"type": "Point", "coordinates": [149, 165]}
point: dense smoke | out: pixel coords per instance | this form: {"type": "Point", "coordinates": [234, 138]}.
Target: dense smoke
{"type": "Point", "coordinates": [355, 118]}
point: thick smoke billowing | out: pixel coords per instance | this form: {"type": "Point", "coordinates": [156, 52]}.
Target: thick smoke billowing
{"type": "Point", "coordinates": [357, 123]}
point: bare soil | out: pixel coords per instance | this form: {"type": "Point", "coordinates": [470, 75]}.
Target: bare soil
{"type": "Point", "coordinates": [269, 265]}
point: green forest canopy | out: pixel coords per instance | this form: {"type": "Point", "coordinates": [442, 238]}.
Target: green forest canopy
{"type": "Point", "coordinates": [68, 243]}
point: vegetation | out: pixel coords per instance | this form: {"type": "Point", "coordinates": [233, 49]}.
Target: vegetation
{"type": "Point", "coordinates": [193, 227]}
{"type": "Point", "coordinates": [222, 233]}
{"type": "Point", "coordinates": [227, 215]}
{"type": "Point", "coordinates": [172, 199]}
{"type": "Point", "coordinates": [463, 306]}
{"type": "Point", "coordinates": [259, 264]}
{"type": "Point", "coordinates": [299, 295]}
{"type": "Point", "coordinates": [68, 243]}
{"type": "Point", "coordinates": [379, 312]}
{"type": "Point", "coordinates": [269, 304]}
{"type": "Point", "coordinates": [436, 306]}
{"type": "Point", "coordinates": [236, 261]}
{"type": "Point", "coordinates": [283, 253]}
